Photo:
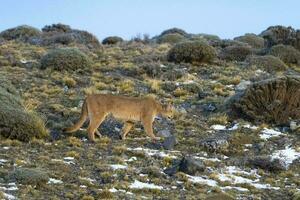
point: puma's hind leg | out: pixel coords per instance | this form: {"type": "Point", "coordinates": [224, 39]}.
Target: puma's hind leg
{"type": "Point", "coordinates": [94, 124]}
{"type": "Point", "coordinates": [126, 128]}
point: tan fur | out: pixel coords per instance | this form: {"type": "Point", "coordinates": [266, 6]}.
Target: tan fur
{"type": "Point", "coordinates": [128, 109]}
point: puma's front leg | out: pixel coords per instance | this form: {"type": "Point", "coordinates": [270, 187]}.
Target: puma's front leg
{"type": "Point", "coordinates": [147, 123]}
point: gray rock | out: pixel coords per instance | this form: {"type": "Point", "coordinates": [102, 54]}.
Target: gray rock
{"type": "Point", "coordinates": [217, 142]}
{"type": "Point", "coordinates": [187, 165]}
{"type": "Point", "coordinates": [164, 133]}
{"type": "Point", "coordinates": [242, 85]}
{"type": "Point", "coordinates": [169, 142]}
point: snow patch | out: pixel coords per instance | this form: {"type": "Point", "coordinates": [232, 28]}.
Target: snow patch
{"type": "Point", "coordinates": [54, 181]}
{"type": "Point", "coordinates": [218, 127]}
{"type": "Point", "coordinates": [117, 166]}
{"type": "Point", "coordinates": [268, 133]}
{"type": "Point", "coordinates": [288, 155]}
{"type": "Point", "coordinates": [202, 180]}
{"type": "Point", "coordinates": [140, 185]}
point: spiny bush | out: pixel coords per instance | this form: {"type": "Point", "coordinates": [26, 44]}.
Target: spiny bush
{"type": "Point", "coordinates": [57, 28]}
{"type": "Point", "coordinates": [22, 33]}
{"type": "Point", "coordinates": [86, 38]}
{"type": "Point", "coordinates": [274, 100]}
{"type": "Point", "coordinates": [236, 53]}
{"type": "Point", "coordinates": [29, 176]}
{"type": "Point", "coordinates": [112, 40]}
{"type": "Point", "coordinates": [268, 62]}
{"type": "Point", "coordinates": [174, 30]}
{"type": "Point", "coordinates": [192, 52]}
{"type": "Point", "coordinates": [171, 38]}
{"type": "Point", "coordinates": [286, 53]}
{"type": "Point", "coordinates": [15, 121]}
{"type": "Point", "coordinates": [65, 59]}
{"type": "Point", "coordinates": [213, 40]}
{"type": "Point", "coordinates": [252, 39]}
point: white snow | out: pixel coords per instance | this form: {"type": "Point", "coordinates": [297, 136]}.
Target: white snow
{"type": "Point", "coordinates": [235, 188]}
{"type": "Point", "coordinates": [288, 155]}
{"type": "Point", "coordinates": [117, 166]}
{"type": "Point", "coordinates": [250, 127]}
{"type": "Point", "coordinates": [152, 152]}
{"type": "Point", "coordinates": [140, 185]}
{"type": "Point", "coordinates": [268, 133]}
{"type": "Point", "coordinates": [131, 159]}
{"type": "Point", "coordinates": [209, 159]}
{"type": "Point", "coordinates": [6, 148]}
{"type": "Point", "coordinates": [2, 161]}
{"type": "Point", "coordinates": [218, 127]}
{"type": "Point", "coordinates": [9, 196]}
{"type": "Point", "coordinates": [68, 158]}
{"type": "Point", "coordinates": [202, 180]}
{"type": "Point", "coordinates": [234, 127]}
{"type": "Point", "coordinates": [88, 179]}
{"type": "Point", "coordinates": [54, 181]}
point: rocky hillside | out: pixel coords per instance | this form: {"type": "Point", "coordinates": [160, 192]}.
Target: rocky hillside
{"type": "Point", "coordinates": [235, 134]}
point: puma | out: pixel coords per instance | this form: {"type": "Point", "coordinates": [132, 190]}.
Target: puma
{"type": "Point", "coordinates": [128, 109]}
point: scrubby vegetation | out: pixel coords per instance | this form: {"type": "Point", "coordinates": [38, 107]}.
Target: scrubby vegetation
{"type": "Point", "coordinates": [236, 52]}
{"type": "Point", "coordinates": [112, 40]}
{"type": "Point", "coordinates": [23, 33]}
{"type": "Point", "coordinates": [234, 135]}
{"type": "Point", "coordinates": [253, 40]}
{"type": "Point", "coordinates": [171, 38]}
{"type": "Point", "coordinates": [268, 63]}
{"type": "Point", "coordinates": [192, 52]}
{"type": "Point", "coordinates": [65, 59]}
{"type": "Point", "coordinates": [286, 53]}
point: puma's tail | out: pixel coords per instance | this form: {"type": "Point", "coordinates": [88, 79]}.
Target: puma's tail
{"type": "Point", "coordinates": [84, 114]}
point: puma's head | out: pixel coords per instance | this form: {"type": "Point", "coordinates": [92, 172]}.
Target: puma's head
{"type": "Point", "coordinates": [167, 110]}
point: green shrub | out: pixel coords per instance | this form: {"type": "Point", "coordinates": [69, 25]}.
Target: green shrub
{"type": "Point", "coordinates": [15, 121]}
{"type": "Point", "coordinates": [252, 39]}
{"type": "Point", "coordinates": [268, 62]}
{"type": "Point", "coordinates": [65, 59]}
{"type": "Point", "coordinates": [213, 40]}
{"type": "Point", "coordinates": [286, 53]}
{"type": "Point", "coordinates": [237, 53]}
{"type": "Point", "coordinates": [112, 40]}
{"type": "Point", "coordinates": [57, 28]}
{"type": "Point", "coordinates": [171, 38]}
{"type": "Point", "coordinates": [191, 52]}
{"type": "Point", "coordinates": [23, 33]}
{"type": "Point", "coordinates": [174, 30]}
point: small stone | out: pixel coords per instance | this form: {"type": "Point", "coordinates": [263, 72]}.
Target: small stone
{"type": "Point", "coordinates": [242, 85]}
{"type": "Point", "coordinates": [267, 163]}
{"type": "Point", "coordinates": [164, 133]}
{"type": "Point", "coordinates": [169, 142]}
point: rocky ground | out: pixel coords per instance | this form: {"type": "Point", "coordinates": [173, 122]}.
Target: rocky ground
{"type": "Point", "coordinates": [204, 153]}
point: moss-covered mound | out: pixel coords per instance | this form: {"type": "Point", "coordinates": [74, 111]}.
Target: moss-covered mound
{"type": "Point", "coordinates": [252, 40]}
{"type": "Point", "coordinates": [171, 38]}
{"type": "Point", "coordinates": [86, 38]}
{"type": "Point", "coordinates": [15, 121]}
{"type": "Point", "coordinates": [112, 40]}
{"type": "Point", "coordinates": [236, 52]}
{"type": "Point", "coordinates": [174, 30]}
{"type": "Point", "coordinates": [268, 62]}
{"type": "Point", "coordinates": [286, 53]}
{"type": "Point", "coordinates": [23, 33]}
{"type": "Point", "coordinates": [192, 52]}
{"type": "Point", "coordinates": [29, 176]}
{"type": "Point", "coordinates": [274, 100]}
{"type": "Point", "coordinates": [65, 59]}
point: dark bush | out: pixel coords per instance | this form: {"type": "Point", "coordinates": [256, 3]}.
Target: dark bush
{"type": "Point", "coordinates": [286, 53]}
{"type": "Point", "coordinates": [191, 52]}
{"type": "Point", "coordinates": [86, 38]}
{"type": "Point", "coordinates": [269, 63]}
{"type": "Point", "coordinates": [274, 100]}
{"type": "Point", "coordinates": [22, 33]}
{"type": "Point", "coordinates": [112, 40]}
{"type": "Point", "coordinates": [57, 28]}
{"type": "Point", "coordinates": [59, 38]}
{"type": "Point", "coordinates": [15, 121]}
{"type": "Point", "coordinates": [236, 53]}
{"type": "Point", "coordinates": [251, 39]}
{"type": "Point", "coordinates": [212, 40]}
{"type": "Point", "coordinates": [279, 35]}
{"type": "Point", "coordinates": [65, 59]}
{"type": "Point", "coordinates": [174, 30]}
{"type": "Point", "coordinates": [171, 38]}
